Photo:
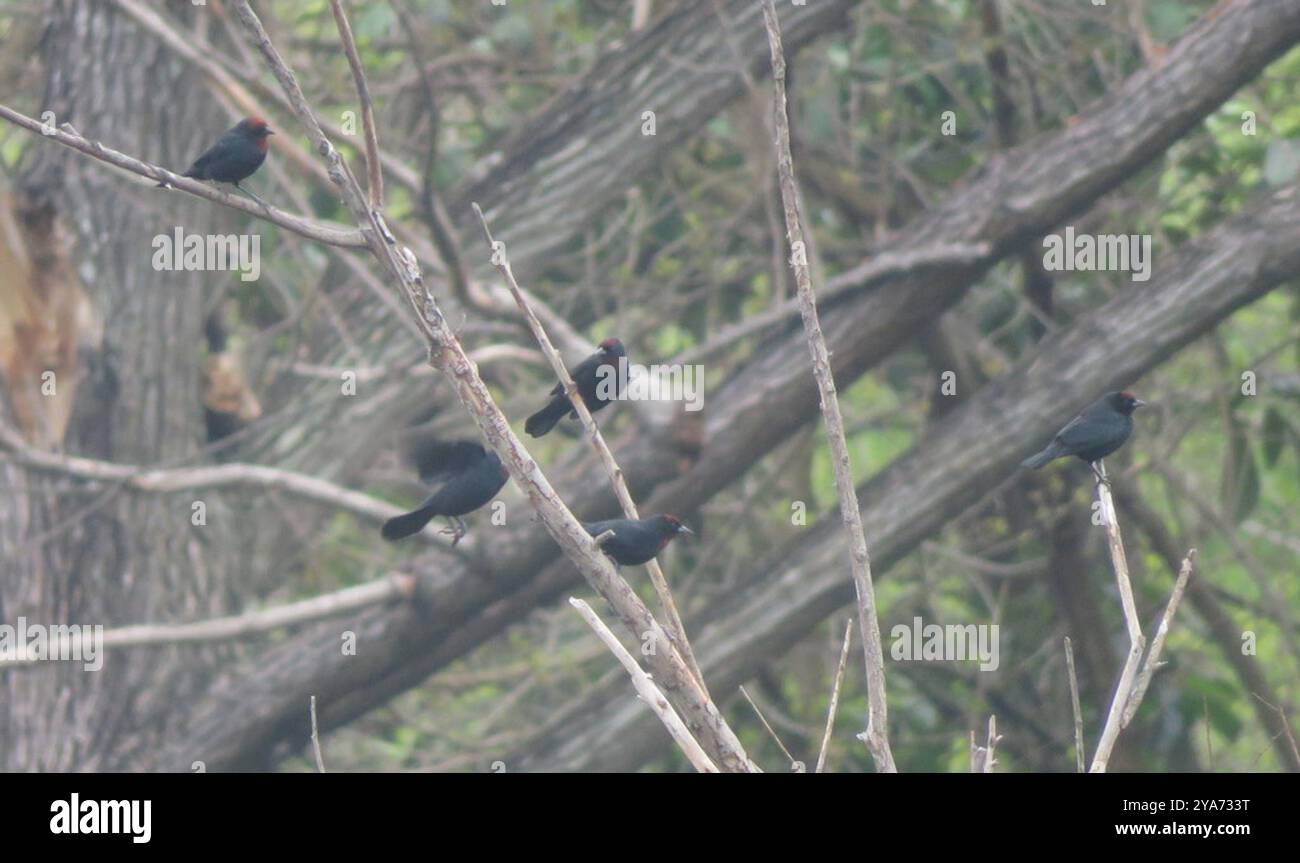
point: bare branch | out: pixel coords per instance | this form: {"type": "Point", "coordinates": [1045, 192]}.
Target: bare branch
{"type": "Point", "coordinates": [983, 758]}
{"type": "Point", "coordinates": [321, 232]}
{"type": "Point", "coordinates": [649, 693]}
{"type": "Point", "coordinates": [835, 695]}
{"type": "Point", "coordinates": [876, 735]}
{"type": "Point", "coordinates": [1152, 662]}
{"type": "Point", "coordinates": [1137, 641]}
{"type": "Point", "coordinates": [170, 480]}
{"type": "Point", "coordinates": [447, 355]}
{"type": "Point", "coordinates": [1132, 685]}
{"type": "Point", "coordinates": [676, 630]}
{"type": "Point", "coordinates": [796, 765]}
{"type": "Point", "coordinates": [395, 586]}
{"type": "Point", "coordinates": [315, 739]}
{"type": "Point", "coordinates": [374, 169]}
{"type": "Point", "coordinates": [1074, 705]}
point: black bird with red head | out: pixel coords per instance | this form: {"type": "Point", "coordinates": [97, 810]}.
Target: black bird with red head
{"type": "Point", "coordinates": [636, 541]}
{"type": "Point", "coordinates": [235, 156]}
{"type": "Point", "coordinates": [601, 378]}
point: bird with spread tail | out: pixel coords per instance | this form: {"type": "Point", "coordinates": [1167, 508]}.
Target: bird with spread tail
{"type": "Point", "coordinates": [1098, 431]}
{"type": "Point", "coordinates": [600, 379]}
{"type": "Point", "coordinates": [470, 476]}
{"type": "Point", "coordinates": [636, 541]}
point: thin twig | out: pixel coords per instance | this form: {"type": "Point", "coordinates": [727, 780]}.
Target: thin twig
{"type": "Point", "coordinates": [315, 739]}
{"type": "Point", "coordinates": [983, 758]}
{"type": "Point", "coordinates": [1074, 705]}
{"type": "Point", "coordinates": [876, 735]}
{"type": "Point", "coordinates": [835, 695]}
{"type": "Point", "coordinates": [1152, 662]}
{"type": "Point", "coordinates": [374, 171]}
{"type": "Point", "coordinates": [1286, 726]}
{"type": "Point", "coordinates": [676, 630]}
{"type": "Point", "coordinates": [648, 691]}
{"type": "Point", "coordinates": [795, 764]}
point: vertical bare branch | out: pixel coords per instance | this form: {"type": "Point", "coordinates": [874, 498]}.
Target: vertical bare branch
{"type": "Point", "coordinates": [1137, 641]}
{"type": "Point", "coordinates": [373, 168]}
{"type": "Point", "coordinates": [1074, 705]}
{"type": "Point", "coordinates": [315, 739]}
{"type": "Point", "coordinates": [649, 693]}
{"type": "Point", "coordinates": [983, 758]}
{"type": "Point", "coordinates": [876, 735]}
{"type": "Point", "coordinates": [1133, 683]}
{"type": "Point", "coordinates": [835, 694]}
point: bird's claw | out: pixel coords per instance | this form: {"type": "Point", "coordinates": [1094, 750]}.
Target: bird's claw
{"type": "Point", "coordinates": [456, 532]}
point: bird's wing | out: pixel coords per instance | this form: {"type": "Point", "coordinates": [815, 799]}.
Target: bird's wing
{"type": "Point", "coordinates": [585, 369]}
{"type": "Point", "coordinates": [596, 528]}
{"type": "Point", "coordinates": [438, 460]}
{"type": "Point", "coordinates": [1069, 435]}
{"type": "Point", "coordinates": [215, 152]}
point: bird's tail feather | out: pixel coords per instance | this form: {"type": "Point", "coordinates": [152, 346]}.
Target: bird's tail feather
{"type": "Point", "coordinates": [545, 419]}
{"type": "Point", "coordinates": [407, 525]}
{"type": "Point", "coordinates": [1034, 462]}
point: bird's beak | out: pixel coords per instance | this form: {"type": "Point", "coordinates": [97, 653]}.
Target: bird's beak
{"type": "Point", "coordinates": [269, 132]}
{"type": "Point", "coordinates": [681, 528]}
{"type": "Point", "coordinates": [1138, 403]}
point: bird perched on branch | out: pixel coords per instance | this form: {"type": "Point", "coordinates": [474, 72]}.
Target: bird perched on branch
{"type": "Point", "coordinates": [636, 541]}
{"type": "Point", "coordinates": [470, 475]}
{"type": "Point", "coordinates": [1102, 428]}
{"type": "Point", "coordinates": [600, 379]}
{"type": "Point", "coordinates": [234, 157]}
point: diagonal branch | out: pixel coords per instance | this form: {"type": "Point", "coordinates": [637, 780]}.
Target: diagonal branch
{"type": "Point", "coordinates": [447, 354]}
{"type": "Point", "coordinates": [650, 694]}
{"type": "Point", "coordinates": [676, 630]}
{"type": "Point", "coordinates": [321, 232]}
